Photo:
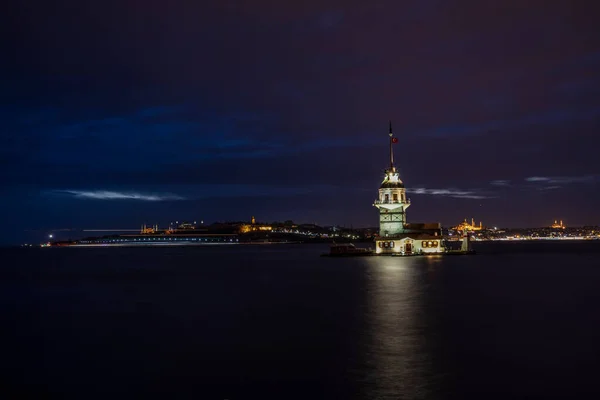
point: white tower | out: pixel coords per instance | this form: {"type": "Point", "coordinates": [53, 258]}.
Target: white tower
{"type": "Point", "coordinates": [392, 202]}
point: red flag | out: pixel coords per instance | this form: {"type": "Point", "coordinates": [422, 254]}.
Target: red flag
{"type": "Point", "coordinates": [394, 140]}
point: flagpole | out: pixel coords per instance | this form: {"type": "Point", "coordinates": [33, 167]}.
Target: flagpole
{"type": "Point", "coordinates": [391, 151]}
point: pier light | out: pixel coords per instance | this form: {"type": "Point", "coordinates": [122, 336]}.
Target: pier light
{"type": "Point", "coordinates": [50, 236]}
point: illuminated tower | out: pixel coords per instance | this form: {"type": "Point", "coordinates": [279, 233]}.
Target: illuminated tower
{"type": "Point", "coordinates": [392, 202]}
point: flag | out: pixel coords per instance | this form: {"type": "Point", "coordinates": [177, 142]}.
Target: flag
{"type": "Point", "coordinates": [394, 140]}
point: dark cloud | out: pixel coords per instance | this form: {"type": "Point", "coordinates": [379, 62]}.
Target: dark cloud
{"type": "Point", "coordinates": [450, 192]}
{"type": "Point", "coordinates": [563, 179]}
{"type": "Point", "coordinates": [111, 195]}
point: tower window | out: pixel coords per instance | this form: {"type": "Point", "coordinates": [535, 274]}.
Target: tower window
{"type": "Point", "coordinates": [395, 197]}
{"type": "Point", "coordinates": [387, 198]}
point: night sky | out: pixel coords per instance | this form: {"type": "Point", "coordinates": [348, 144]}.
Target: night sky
{"type": "Point", "coordinates": [118, 113]}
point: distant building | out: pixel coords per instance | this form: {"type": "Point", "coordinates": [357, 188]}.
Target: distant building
{"type": "Point", "coordinates": [147, 230]}
{"type": "Point", "coordinates": [557, 225]}
{"type": "Point", "coordinates": [186, 226]}
{"type": "Point", "coordinates": [254, 227]}
{"type": "Point", "coordinates": [465, 226]}
{"type": "Point", "coordinates": [395, 234]}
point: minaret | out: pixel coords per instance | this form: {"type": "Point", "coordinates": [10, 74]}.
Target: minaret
{"type": "Point", "coordinates": [392, 202]}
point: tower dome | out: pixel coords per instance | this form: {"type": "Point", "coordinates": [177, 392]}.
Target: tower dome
{"type": "Point", "coordinates": [391, 180]}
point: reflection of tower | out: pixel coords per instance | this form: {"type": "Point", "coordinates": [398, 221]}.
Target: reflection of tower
{"type": "Point", "coordinates": [392, 202]}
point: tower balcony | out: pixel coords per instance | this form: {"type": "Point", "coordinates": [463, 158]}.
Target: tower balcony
{"type": "Point", "coordinates": [379, 202]}
{"type": "Point", "coordinates": [392, 204]}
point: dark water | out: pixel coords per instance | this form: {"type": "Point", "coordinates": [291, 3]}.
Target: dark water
{"type": "Point", "coordinates": [519, 320]}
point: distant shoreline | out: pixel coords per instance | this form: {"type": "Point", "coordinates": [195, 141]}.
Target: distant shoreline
{"type": "Point", "coordinates": [266, 243]}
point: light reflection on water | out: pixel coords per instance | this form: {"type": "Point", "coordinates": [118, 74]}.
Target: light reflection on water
{"type": "Point", "coordinates": [397, 353]}
{"type": "Point", "coordinates": [518, 320]}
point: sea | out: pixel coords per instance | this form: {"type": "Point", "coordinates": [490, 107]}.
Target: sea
{"type": "Point", "coordinates": [517, 320]}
